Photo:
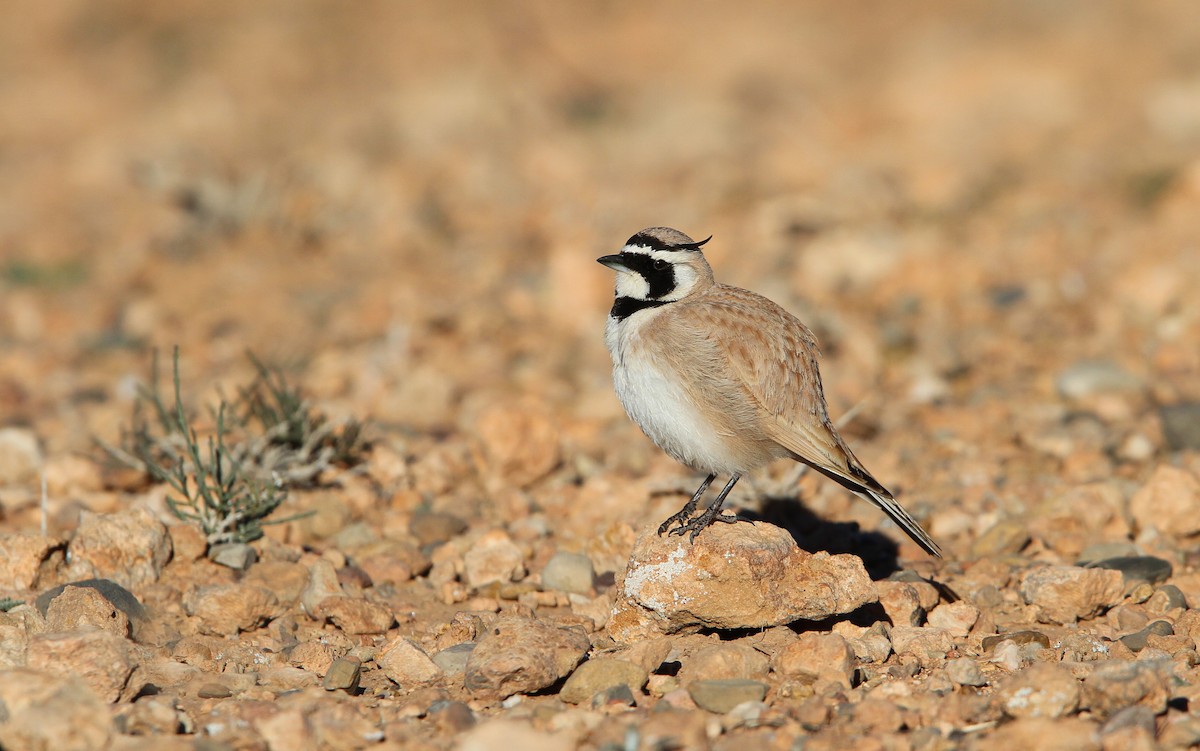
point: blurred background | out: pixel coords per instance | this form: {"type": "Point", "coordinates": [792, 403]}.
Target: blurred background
{"type": "Point", "coordinates": [988, 212]}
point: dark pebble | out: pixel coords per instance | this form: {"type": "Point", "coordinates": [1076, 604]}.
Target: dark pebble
{"type": "Point", "coordinates": [1175, 596]}
{"type": "Point", "coordinates": [1006, 295]}
{"type": "Point", "coordinates": [619, 695]}
{"type": "Point", "coordinates": [344, 673]}
{"type": "Point", "coordinates": [1181, 425]}
{"type": "Point", "coordinates": [1137, 641]}
{"type": "Point", "coordinates": [1138, 568]}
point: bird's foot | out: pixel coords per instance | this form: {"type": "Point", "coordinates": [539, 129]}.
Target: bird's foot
{"type": "Point", "coordinates": [680, 517]}
{"type": "Point", "coordinates": [697, 525]}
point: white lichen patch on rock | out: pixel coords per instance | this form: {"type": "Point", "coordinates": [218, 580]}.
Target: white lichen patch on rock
{"type": "Point", "coordinates": [640, 582]}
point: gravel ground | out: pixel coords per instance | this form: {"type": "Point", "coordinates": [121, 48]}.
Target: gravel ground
{"type": "Point", "coordinates": [988, 213]}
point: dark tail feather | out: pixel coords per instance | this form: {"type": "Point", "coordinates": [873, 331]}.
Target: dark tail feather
{"type": "Point", "coordinates": [879, 496]}
{"type": "Point", "coordinates": [893, 509]}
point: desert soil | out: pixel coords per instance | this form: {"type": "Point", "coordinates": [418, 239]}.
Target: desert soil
{"type": "Point", "coordinates": [988, 212]}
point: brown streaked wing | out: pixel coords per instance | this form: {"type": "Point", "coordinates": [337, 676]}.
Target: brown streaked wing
{"type": "Point", "coordinates": [774, 355]}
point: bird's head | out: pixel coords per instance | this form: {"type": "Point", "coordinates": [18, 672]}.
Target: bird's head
{"type": "Point", "coordinates": [660, 264]}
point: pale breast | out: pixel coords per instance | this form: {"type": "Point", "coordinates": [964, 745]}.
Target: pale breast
{"type": "Point", "coordinates": [654, 397]}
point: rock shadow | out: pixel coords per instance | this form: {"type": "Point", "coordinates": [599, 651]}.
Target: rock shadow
{"type": "Point", "coordinates": [879, 553]}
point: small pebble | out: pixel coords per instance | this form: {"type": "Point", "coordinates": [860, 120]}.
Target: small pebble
{"type": "Point", "coordinates": [1167, 597]}
{"type": "Point", "coordinates": [521, 655]}
{"type": "Point", "coordinates": [354, 578]}
{"type": "Point", "coordinates": [746, 714]}
{"type": "Point", "coordinates": [1167, 502]}
{"type": "Point", "coordinates": [344, 674]}
{"type": "Point", "coordinates": [1136, 448]}
{"type": "Point", "coordinates": [1006, 295]}
{"type": "Point", "coordinates": [214, 690]}
{"type": "Point", "coordinates": [1137, 641]}
{"type": "Point", "coordinates": [986, 597]}
{"type": "Point", "coordinates": [1066, 594]}
{"type": "Point", "coordinates": [1135, 568]}
{"type": "Point", "coordinates": [493, 558]}
{"type": "Point", "coordinates": [598, 675]}
{"type": "Point", "coordinates": [452, 715]}
{"type": "Point", "coordinates": [1003, 537]}
{"type": "Point", "coordinates": [1181, 425]}
{"type": "Point", "coordinates": [720, 696]}
{"type": "Point", "coordinates": [1019, 638]}
{"type": "Point", "coordinates": [1095, 376]}
{"type": "Point", "coordinates": [1044, 689]}
{"type": "Point", "coordinates": [1131, 619]}
{"type": "Point", "coordinates": [235, 555]}
{"type": "Point", "coordinates": [965, 672]}
{"type": "Point", "coordinates": [619, 695]}
{"type": "Point", "coordinates": [453, 660]}
{"type": "Point", "coordinates": [1116, 684]}
{"type": "Point", "coordinates": [1140, 592]}
{"type": "Point", "coordinates": [956, 617]}
{"type": "Point", "coordinates": [407, 665]}
{"type": "Point", "coordinates": [569, 572]}
{"type": "Point", "coordinates": [354, 536]}
{"type": "Point", "coordinates": [435, 528]}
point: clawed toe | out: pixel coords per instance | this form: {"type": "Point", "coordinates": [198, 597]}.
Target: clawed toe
{"type": "Point", "coordinates": [697, 525]}
{"type": "Point", "coordinates": [710, 515]}
{"type": "Point", "coordinates": [676, 519]}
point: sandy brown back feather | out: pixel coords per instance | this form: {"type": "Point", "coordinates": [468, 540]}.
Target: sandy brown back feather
{"type": "Point", "coordinates": [764, 361]}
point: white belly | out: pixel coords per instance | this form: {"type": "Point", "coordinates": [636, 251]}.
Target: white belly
{"type": "Point", "coordinates": [654, 400]}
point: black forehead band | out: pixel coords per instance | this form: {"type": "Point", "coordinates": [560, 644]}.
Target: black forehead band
{"type": "Point", "coordinates": [653, 243]}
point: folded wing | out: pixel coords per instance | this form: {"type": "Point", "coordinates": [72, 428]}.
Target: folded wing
{"type": "Point", "coordinates": [774, 356]}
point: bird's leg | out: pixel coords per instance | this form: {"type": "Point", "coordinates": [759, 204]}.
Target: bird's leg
{"type": "Point", "coordinates": [685, 513]}
{"type": "Point", "coordinates": [711, 514]}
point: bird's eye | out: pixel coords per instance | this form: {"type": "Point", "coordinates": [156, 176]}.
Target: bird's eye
{"type": "Point", "coordinates": [659, 264]}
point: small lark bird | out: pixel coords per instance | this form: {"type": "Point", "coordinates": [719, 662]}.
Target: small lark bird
{"type": "Point", "coordinates": [722, 379]}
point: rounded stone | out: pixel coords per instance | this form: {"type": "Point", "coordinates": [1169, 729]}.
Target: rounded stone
{"type": "Point", "coordinates": [721, 696]}
{"type": "Point", "coordinates": [569, 572]}
{"type": "Point", "coordinates": [601, 674]}
{"type": "Point", "coordinates": [1135, 568]}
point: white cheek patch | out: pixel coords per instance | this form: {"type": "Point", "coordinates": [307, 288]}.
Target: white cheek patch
{"type": "Point", "coordinates": [632, 284]}
{"type": "Point", "coordinates": [685, 279]}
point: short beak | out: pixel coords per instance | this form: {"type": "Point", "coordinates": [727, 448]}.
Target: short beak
{"type": "Point", "coordinates": [613, 262]}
